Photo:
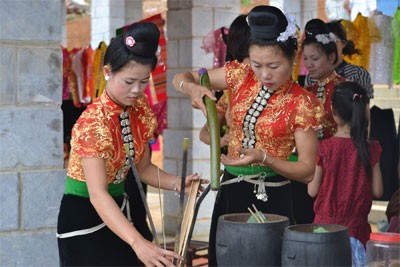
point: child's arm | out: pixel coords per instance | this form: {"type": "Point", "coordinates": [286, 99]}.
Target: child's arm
{"type": "Point", "coordinates": [314, 185]}
{"type": "Point", "coordinates": [377, 184]}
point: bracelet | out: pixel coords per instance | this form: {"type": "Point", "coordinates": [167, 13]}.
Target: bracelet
{"type": "Point", "coordinates": [174, 188]}
{"type": "Point", "coordinates": [265, 156]}
{"type": "Point", "coordinates": [181, 84]}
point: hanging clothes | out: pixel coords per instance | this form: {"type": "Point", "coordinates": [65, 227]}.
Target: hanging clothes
{"type": "Point", "coordinates": [381, 52]}
{"type": "Point", "coordinates": [87, 66]}
{"type": "Point", "coordinates": [80, 73]}
{"type": "Point", "coordinates": [215, 41]}
{"type": "Point", "coordinates": [99, 82]}
{"type": "Point", "coordinates": [69, 87]}
{"type": "Point", "coordinates": [383, 129]}
{"type": "Point", "coordinates": [395, 29]}
{"type": "Point", "coordinates": [362, 41]}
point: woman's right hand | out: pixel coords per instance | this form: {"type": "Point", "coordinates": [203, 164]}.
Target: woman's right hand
{"type": "Point", "coordinates": [197, 94]}
{"type": "Point", "coordinates": [151, 255]}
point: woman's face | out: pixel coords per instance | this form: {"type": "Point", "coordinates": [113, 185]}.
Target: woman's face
{"type": "Point", "coordinates": [318, 64]}
{"type": "Point", "coordinates": [127, 84]}
{"type": "Point", "coordinates": [270, 65]}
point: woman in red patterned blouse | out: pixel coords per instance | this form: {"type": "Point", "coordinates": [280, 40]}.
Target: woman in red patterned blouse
{"type": "Point", "coordinates": [320, 57]}
{"type": "Point", "coordinates": [93, 229]}
{"type": "Point", "coordinates": [348, 174]}
{"type": "Point", "coordinates": [319, 54]}
{"type": "Point", "coordinates": [269, 114]}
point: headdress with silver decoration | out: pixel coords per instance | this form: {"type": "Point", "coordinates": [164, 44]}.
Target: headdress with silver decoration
{"type": "Point", "coordinates": [325, 38]}
{"type": "Point", "coordinates": [290, 30]}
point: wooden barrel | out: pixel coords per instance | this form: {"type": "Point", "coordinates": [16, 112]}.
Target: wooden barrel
{"type": "Point", "coordinates": [316, 245]}
{"type": "Point", "coordinates": [239, 243]}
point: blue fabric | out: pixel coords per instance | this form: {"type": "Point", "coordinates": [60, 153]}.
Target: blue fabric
{"type": "Point", "coordinates": [358, 253]}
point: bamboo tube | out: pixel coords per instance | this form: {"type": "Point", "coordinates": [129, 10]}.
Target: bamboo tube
{"type": "Point", "coordinates": [214, 130]}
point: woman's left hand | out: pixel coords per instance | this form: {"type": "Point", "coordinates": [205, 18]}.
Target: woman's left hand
{"type": "Point", "coordinates": [247, 157]}
{"type": "Point", "coordinates": [188, 183]}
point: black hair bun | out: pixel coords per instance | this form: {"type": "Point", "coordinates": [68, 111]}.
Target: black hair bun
{"type": "Point", "coordinates": [266, 22]}
{"type": "Point", "coordinates": [314, 27]}
{"type": "Point", "coordinates": [142, 39]}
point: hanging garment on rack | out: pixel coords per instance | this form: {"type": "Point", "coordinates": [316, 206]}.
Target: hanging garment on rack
{"type": "Point", "coordinates": [68, 73]}
{"type": "Point", "coordinates": [383, 129]}
{"type": "Point", "coordinates": [363, 41]}
{"type": "Point", "coordinates": [381, 55]}
{"type": "Point", "coordinates": [214, 42]}
{"type": "Point", "coordinates": [99, 83]}
{"type": "Point", "coordinates": [87, 66]}
{"type": "Point", "coordinates": [77, 67]}
{"type": "Point", "coordinates": [396, 40]}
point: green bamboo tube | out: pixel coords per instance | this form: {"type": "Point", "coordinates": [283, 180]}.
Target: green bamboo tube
{"type": "Point", "coordinates": [214, 130]}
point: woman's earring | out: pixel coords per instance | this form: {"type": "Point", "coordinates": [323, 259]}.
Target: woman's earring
{"type": "Point", "coordinates": [107, 77]}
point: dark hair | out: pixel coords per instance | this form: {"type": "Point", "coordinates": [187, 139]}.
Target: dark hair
{"type": "Point", "coordinates": [144, 38]}
{"type": "Point", "coordinates": [238, 39]}
{"type": "Point", "coordinates": [266, 24]}
{"type": "Point", "coordinates": [337, 28]}
{"type": "Point", "coordinates": [349, 102]}
{"type": "Point", "coordinates": [315, 27]}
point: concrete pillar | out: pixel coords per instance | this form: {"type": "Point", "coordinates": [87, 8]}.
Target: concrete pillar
{"type": "Point", "coordinates": [188, 22]}
{"type": "Point", "coordinates": [31, 131]}
{"type": "Point", "coordinates": [109, 15]}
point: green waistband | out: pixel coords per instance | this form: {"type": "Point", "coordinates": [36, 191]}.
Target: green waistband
{"type": "Point", "coordinates": [250, 170]}
{"type": "Point", "coordinates": [79, 188]}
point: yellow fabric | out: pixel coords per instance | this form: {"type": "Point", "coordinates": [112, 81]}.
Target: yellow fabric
{"type": "Point", "coordinates": [363, 41]}
{"type": "Point", "coordinates": [99, 83]}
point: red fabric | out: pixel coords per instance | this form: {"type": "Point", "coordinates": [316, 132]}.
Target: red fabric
{"type": "Point", "coordinates": [345, 195]}
{"type": "Point", "coordinates": [289, 109]}
{"type": "Point", "coordinates": [68, 73]}
{"type": "Point", "coordinates": [328, 122]}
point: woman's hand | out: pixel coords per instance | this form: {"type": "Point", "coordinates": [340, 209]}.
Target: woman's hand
{"type": "Point", "coordinates": [224, 141]}
{"type": "Point", "coordinates": [247, 157]}
{"type": "Point", "coordinates": [151, 255]}
{"type": "Point", "coordinates": [188, 183]}
{"type": "Point", "coordinates": [197, 94]}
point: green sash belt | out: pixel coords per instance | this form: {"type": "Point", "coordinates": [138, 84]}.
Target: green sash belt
{"type": "Point", "coordinates": [250, 170]}
{"type": "Point", "coordinates": [79, 188]}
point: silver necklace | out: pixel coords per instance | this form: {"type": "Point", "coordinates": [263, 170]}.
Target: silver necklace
{"type": "Point", "coordinates": [252, 115]}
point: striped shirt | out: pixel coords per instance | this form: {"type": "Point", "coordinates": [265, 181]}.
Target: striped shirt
{"type": "Point", "coordinates": [352, 73]}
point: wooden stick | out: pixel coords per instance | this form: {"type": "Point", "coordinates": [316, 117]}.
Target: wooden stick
{"type": "Point", "coordinates": [181, 197]}
{"type": "Point", "coordinates": [254, 215]}
{"type": "Point", "coordinates": [258, 213]}
{"type": "Point", "coordinates": [188, 217]}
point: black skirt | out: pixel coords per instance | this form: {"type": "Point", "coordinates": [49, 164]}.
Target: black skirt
{"type": "Point", "coordinates": [237, 197]}
{"type": "Point", "coordinates": [100, 248]}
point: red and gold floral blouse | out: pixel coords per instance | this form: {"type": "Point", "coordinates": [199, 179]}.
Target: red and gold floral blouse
{"type": "Point", "coordinates": [97, 133]}
{"type": "Point", "coordinates": [328, 123]}
{"type": "Point", "coordinates": [289, 109]}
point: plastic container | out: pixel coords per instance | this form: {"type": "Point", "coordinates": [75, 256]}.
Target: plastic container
{"type": "Point", "coordinates": [383, 249]}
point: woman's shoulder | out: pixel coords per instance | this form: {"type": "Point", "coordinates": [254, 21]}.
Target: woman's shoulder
{"type": "Point", "coordinates": [237, 73]}
{"type": "Point", "coordinates": [93, 111]}
{"type": "Point", "coordinates": [300, 92]}
{"type": "Point", "coordinates": [236, 66]}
